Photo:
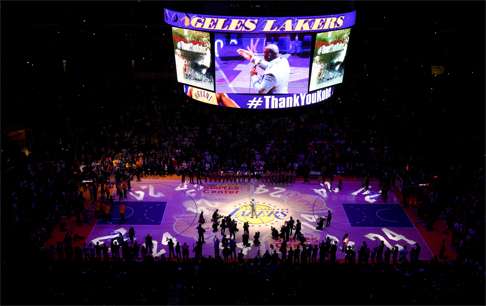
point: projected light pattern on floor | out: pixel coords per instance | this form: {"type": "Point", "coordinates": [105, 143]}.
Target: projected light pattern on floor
{"type": "Point", "coordinates": [167, 209]}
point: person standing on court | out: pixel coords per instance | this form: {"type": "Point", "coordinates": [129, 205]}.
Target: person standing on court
{"type": "Point", "coordinates": [178, 250]}
{"type": "Point", "coordinates": [171, 248]}
{"type": "Point", "coordinates": [216, 247]}
{"type": "Point", "coordinates": [253, 208]}
{"type": "Point", "coordinates": [329, 218]}
{"type": "Point", "coordinates": [298, 228]}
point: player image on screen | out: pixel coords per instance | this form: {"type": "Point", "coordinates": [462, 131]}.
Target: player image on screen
{"type": "Point", "coordinates": [276, 74]}
{"type": "Point", "coordinates": [328, 61]}
{"type": "Point", "coordinates": [192, 51]}
{"type": "Point", "coordinates": [262, 64]}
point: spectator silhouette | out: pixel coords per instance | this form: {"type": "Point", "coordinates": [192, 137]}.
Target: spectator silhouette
{"type": "Point", "coordinates": [216, 247]}
{"type": "Point", "coordinates": [171, 248]}
{"type": "Point", "coordinates": [178, 250]}
{"type": "Point", "coordinates": [185, 252]}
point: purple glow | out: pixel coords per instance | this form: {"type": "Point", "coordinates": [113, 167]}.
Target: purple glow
{"type": "Point", "coordinates": [213, 23]}
{"type": "Point", "coordinates": [304, 201]}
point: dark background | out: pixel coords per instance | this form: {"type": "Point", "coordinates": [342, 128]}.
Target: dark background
{"type": "Point", "coordinates": [116, 50]}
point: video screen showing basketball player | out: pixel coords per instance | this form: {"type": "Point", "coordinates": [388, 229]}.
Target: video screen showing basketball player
{"type": "Point", "coordinates": [262, 64]}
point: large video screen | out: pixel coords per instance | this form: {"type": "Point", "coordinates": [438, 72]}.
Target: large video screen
{"type": "Point", "coordinates": [259, 62]}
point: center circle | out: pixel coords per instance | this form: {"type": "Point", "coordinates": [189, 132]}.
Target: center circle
{"type": "Point", "coordinates": [264, 213]}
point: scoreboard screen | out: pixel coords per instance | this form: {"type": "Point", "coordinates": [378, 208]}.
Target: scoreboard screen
{"type": "Point", "coordinates": [259, 62]}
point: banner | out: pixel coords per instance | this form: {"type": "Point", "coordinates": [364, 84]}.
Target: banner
{"type": "Point", "coordinates": [259, 24]}
{"type": "Point", "coordinates": [254, 101]}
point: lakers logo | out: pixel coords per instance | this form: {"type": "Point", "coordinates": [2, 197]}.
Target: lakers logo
{"type": "Point", "coordinates": [187, 21]}
{"type": "Point", "coordinates": [263, 214]}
